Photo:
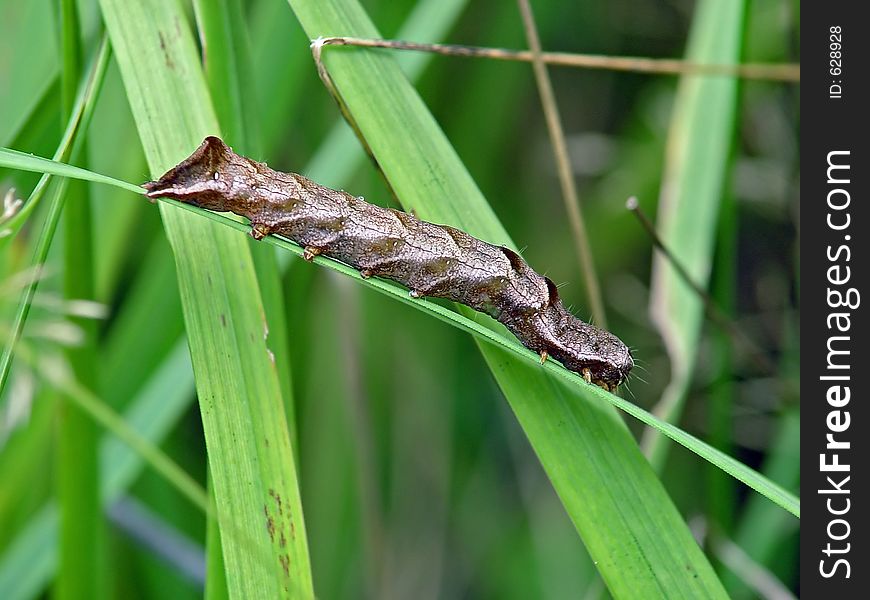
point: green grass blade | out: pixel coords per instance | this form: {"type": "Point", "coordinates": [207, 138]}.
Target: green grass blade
{"type": "Point", "coordinates": [31, 559]}
{"type": "Point", "coordinates": [95, 409]}
{"type": "Point", "coordinates": [132, 333]}
{"type": "Point", "coordinates": [25, 451]}
{"type": "Point", "coordinates": [15, 159]}
{"type": "Point", "coordinates": [762, 528]}
{"type": "Point", "coordinates": [590, 457]}
{"type": "Point", "coordinates": [79, 119]}
{"type": "Point", "coordinates": [229, 72]}
{"type": "Point", "coordinates": [246, 432]}
{"type": "Point", "coordinates": [215, 579]}
{"type": "Point", "coordinates": [339, 154]}
{"type": "Point", "coordinates": [500, 340]}
{"type": "Point", "coordinates": [81, 570]}
{"type": "Point", "coordinates": [696, 164]}
{"type": "Point", "coordinates": [117, 222]}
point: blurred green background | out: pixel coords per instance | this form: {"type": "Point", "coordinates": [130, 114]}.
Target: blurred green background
{"type": "Point", "coordinates": [415, 477]}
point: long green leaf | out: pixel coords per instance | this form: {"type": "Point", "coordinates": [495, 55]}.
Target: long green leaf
{"type": "Point", "coordinates": [229, 73]}
{"type": "Point", "coordinates": [257, 494]}
{"type": "Point", "coordinates": [81, 567]}
{"type": "Point", "coordinates": [497, 339]}
{"type": "Point", "coordinates": [31, 559]}
{"type": "Point", "coordinates": [589, 455]}
{"type": "Point", "coordinates": [79, 119]}
{"type": "Point", "coordinates": [339, 154]}
{"type": "Point", "coordinates": [762, 528]}
{"type": "Point", "coordinates": [696, 164]}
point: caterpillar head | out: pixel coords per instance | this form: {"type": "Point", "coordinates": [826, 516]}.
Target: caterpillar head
{"type": "Point", "coordinates": [204, 179]}
{"type": "Point", "coordinates": [598, 355]}
{"type": "Point", "coordinates": [612, 363]}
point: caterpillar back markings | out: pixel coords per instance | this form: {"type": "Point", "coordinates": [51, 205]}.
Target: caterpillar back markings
{"type": "Point", "coordinates": [428, 259]}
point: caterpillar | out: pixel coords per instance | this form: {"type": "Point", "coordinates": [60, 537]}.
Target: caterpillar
{"type": "Point", "coordinates": [428, 259]}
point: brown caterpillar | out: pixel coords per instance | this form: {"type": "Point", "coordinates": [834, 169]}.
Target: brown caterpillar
{"type": "Point", "coordinates": [429, 259]}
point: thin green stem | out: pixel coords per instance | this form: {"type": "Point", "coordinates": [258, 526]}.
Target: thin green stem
{"type": "Point", "coordinates": [76, 455]}
{"type": "Point", "coordinates": [78, 121]}
{"type": "Point", "coordinates": [740, 471]}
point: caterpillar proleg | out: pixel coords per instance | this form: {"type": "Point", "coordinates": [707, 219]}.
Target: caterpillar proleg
{"type": "Point", "coordinates": [428, 259]}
